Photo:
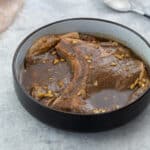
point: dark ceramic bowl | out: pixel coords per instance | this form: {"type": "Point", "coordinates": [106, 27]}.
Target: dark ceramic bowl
{"type": "Point", "coordinates": [83, 122]}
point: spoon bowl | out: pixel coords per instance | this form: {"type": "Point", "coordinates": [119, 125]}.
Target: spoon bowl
{"type": "Point", "coordinates": [119, 5]}
{"type": "Point", "coordinates": [126, 6]}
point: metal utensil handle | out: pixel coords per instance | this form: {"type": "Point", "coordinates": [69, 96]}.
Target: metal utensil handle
{"type": "Point", "coordinates": [146, 15]}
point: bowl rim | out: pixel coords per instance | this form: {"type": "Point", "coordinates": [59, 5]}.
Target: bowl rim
{"type": "Point", "coordinates": [73, 113]}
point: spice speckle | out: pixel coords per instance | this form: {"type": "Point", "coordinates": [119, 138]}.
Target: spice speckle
{"type": "Point", "coordinates": [56, 61]}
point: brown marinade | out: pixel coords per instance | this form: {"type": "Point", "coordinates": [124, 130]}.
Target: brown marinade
{"type": "Point", "coordinates": [82, 73]}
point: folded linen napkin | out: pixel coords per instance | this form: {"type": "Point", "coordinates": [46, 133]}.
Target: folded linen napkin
{"type": "Point", "coordinates": [8, 11]}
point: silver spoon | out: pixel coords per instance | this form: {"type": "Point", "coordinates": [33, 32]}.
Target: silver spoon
{"type": "Point", "coordinates": [125, 6]}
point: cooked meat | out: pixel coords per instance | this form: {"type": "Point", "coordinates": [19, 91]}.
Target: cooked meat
{"type": "Point", "coordinates": [76, 90]}
{"type": "Point", "coordinates": [107, 67]}
{"type": "Point", "coordinates": [82, 65]}
{"type": "Point", "coordinates": [44, 43]}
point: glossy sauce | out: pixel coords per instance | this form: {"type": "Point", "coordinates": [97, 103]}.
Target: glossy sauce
{"type": "Point", "coordinates": [109, 98]}
{"type": "Point", "coordinates": [48, 74]}
{"type": "Point", "coordinates": [45, 72]}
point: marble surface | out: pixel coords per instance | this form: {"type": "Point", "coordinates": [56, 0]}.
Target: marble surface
{"type": "Point", "coordinates": [18, 129]}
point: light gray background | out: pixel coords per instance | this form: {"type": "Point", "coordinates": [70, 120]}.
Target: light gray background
{"type": "Point", "coordinates": [18, 129]}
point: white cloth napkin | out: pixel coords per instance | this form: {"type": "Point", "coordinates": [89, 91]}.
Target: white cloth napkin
{"type": "Point", "coordinates": [8, 11]}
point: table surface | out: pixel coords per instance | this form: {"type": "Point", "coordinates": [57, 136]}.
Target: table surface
{"type": "Point", "coordinates": [18, 129]}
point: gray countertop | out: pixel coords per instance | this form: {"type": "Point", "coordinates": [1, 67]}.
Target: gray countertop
{"type": "Point", "coordinates": [18, 129]}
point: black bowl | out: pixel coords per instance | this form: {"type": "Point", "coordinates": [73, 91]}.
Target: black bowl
{"type": "Point", "coordinates": [74, 121]}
